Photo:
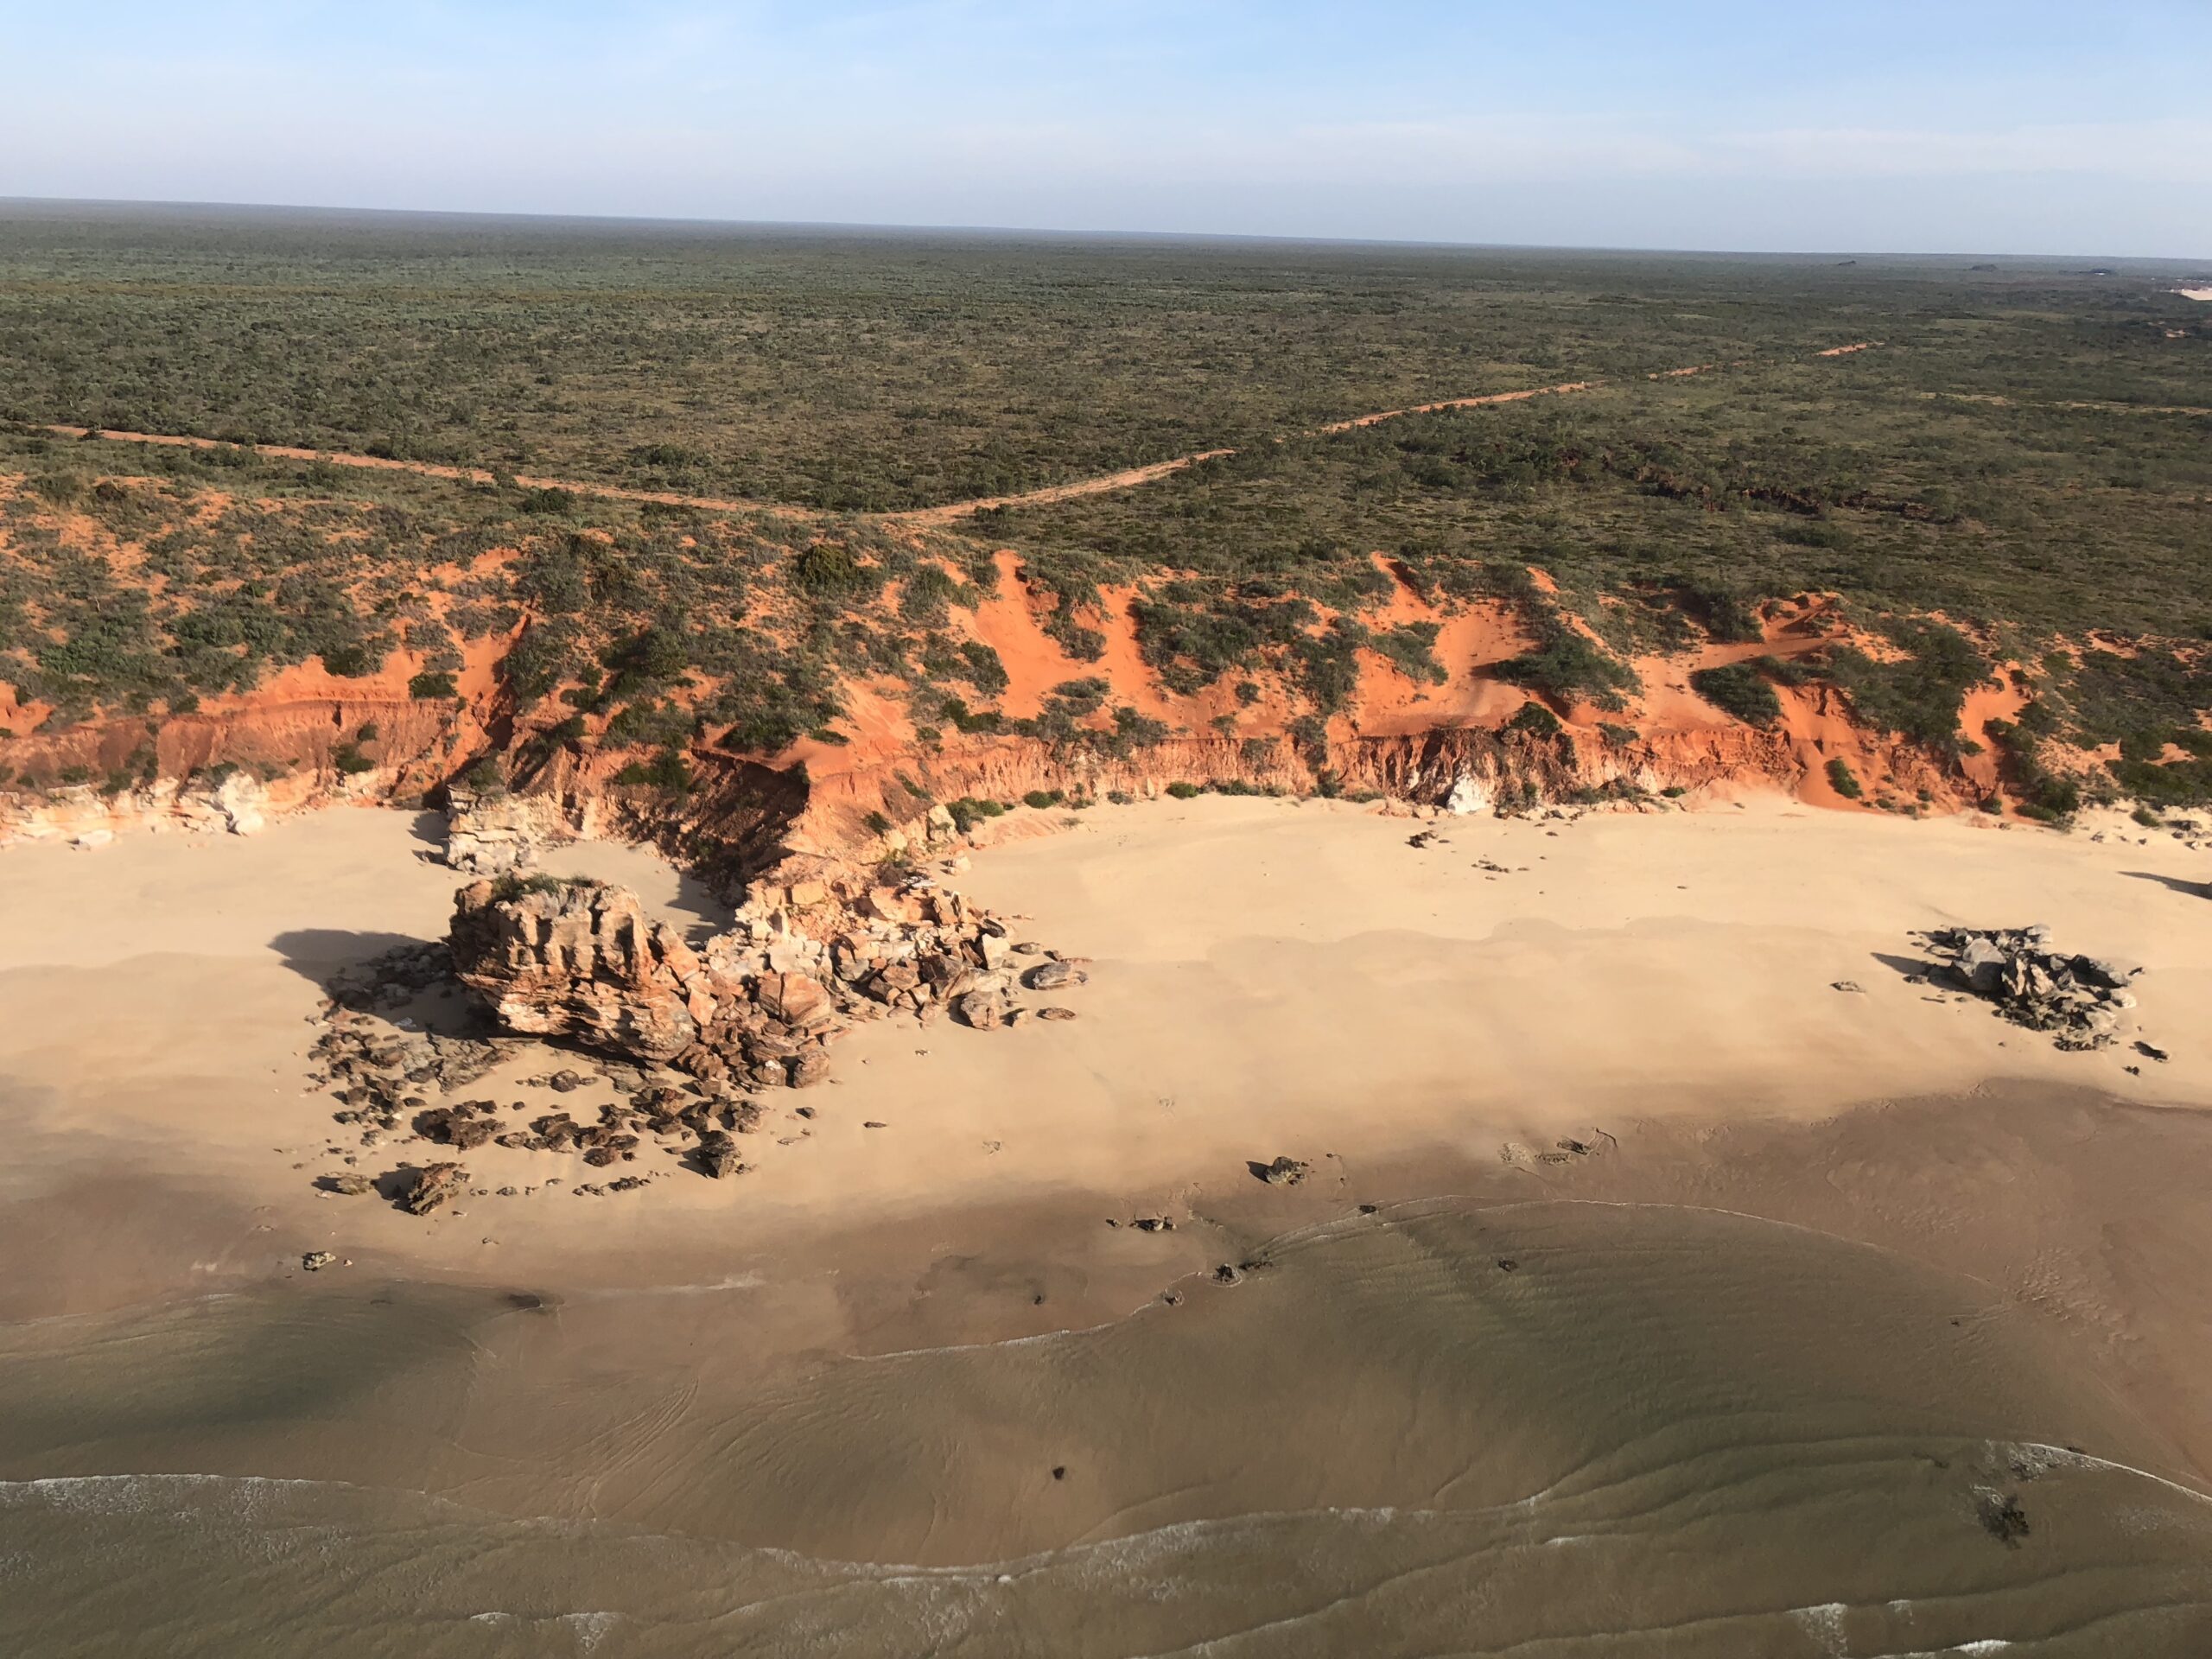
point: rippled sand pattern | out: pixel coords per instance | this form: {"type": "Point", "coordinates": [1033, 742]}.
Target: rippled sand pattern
{"type": "Point", "coordinates": [1550, 1428]}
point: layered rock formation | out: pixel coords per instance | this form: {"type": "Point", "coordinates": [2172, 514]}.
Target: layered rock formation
{"type": "Point", "coordinates": [494, 833]}
{"type": "Point", "coordinates": [579, 960]}
{"type": "Point", "coordinates": [755, 1007]}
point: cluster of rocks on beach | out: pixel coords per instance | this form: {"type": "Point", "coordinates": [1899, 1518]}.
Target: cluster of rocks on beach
{"type": "Point", "coordinates": [2080, 1000]}
{"type": "Point", "coordinates": [688, 1037]}
{"type": "Point", "coordinates": [756, 1006]}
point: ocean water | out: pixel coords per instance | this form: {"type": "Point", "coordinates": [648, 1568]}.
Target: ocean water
{"type": "Point", "coordinates": [1545, 1429]}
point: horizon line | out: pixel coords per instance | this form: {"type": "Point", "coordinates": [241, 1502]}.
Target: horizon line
{"type": "Point", "coordinates": [9, 203]}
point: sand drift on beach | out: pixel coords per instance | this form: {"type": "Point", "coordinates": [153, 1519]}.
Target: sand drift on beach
{"type": "Point", "coordinates": [1647, 1293]}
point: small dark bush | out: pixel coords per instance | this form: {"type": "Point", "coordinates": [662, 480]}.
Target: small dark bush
{"type": "Point", "coordinates": [1534, 720]}
{"type": "Point", "coordinates": [1741, 690]}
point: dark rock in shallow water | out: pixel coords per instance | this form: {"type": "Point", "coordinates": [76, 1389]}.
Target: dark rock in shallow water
{"type": "Point", "coordinates": [2004, 1520]}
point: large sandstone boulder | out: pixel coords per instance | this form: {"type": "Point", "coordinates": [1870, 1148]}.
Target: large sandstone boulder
{"type": "Point", "coordinates": [241, 800]}
{"type": "Point", "coordinates": [493, 833]}
{"type": "Point", "coordinates": [579, 960]}
{"type": "Point", "coordinates": [756, 1006]}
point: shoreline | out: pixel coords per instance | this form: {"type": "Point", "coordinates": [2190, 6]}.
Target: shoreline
{"type": "Point", "coordinates": [1613, 1203]}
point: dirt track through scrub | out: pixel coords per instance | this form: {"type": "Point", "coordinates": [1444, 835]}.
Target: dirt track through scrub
{"type": "Point", "coordinates": [1127, 479]}
{"type": "Point", "coordinates": [1136, 475]}
{"type": "Point", "coordinates": [426, 469]}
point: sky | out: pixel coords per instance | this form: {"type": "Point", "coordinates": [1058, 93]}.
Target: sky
{"type": "Point", "coordinates": [1859, 125]}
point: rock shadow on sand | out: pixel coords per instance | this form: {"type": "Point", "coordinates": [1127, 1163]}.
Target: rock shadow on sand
{"type": "Point", "coordinates": [317, 953]}
{"type": "Point", "coordinates": [1910, 969]}
{"type": "Point", "coordinates": [406, 983]}
{"type": "Point", "coordinates": [2174, 883]}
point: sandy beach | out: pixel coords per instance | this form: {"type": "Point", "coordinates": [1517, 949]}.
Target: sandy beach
{"type": "Point", "coordinates": [1643, 1177]}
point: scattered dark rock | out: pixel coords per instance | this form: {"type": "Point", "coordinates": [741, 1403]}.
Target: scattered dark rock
{"type": "Point", "coordinates": [316, 1261]}
{"type": "Point", "coordinates": [1055, 1014]}
{"type": "Point", "coordinates": [1284, 1171]}
{"type": "Point", "coordinates": [718, 1155]}
{"type": "Point", "coordinates": [1226, 1275]}
{"type": "Point", "coordinates": [2079, 1000]}
{"type": "Point", "coordinates": [1850, 987]}
{"type": "Point", "coordinates": [1054, 975]}
{"type": "Point", "coordinates": [347, 1186]}
{"type": "Point", "coordinates": [1153, 1224]}
{"type": "Point", "coordinates": [981, 1010]}
{"type": "Point", "coordinates": [1507, 1264]}
{"type": "Point", "coordinates": [2003, 1518]}
{"type": "Point", "coordinates": [427, 1188]}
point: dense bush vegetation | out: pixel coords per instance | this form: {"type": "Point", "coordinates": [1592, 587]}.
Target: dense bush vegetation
{"type": "Point", "coordinates": [2021, 457]}
{"type": "Point", "coordinates": [1739, 690]}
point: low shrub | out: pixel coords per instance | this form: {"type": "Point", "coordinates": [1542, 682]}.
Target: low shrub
{"type": "Point", "coordinates": [1741, 690]}
{"type": "Point", "coordinates": [1534, 720]}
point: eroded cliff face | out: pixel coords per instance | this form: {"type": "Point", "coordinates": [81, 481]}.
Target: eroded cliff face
{"type": "Point", "coordinates": [1471, 743]}
{"type": "Point", "coordinates": [1460, 769]}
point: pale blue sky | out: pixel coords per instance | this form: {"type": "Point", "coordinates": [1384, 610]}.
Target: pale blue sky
{"type": "Point", "coordinates": [1946, 126]}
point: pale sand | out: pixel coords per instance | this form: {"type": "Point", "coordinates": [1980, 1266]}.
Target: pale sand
{"type": "Point", "coordinates": [1759, 1350]}
{"type": "Point", "coordinates": [1269, 978]}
